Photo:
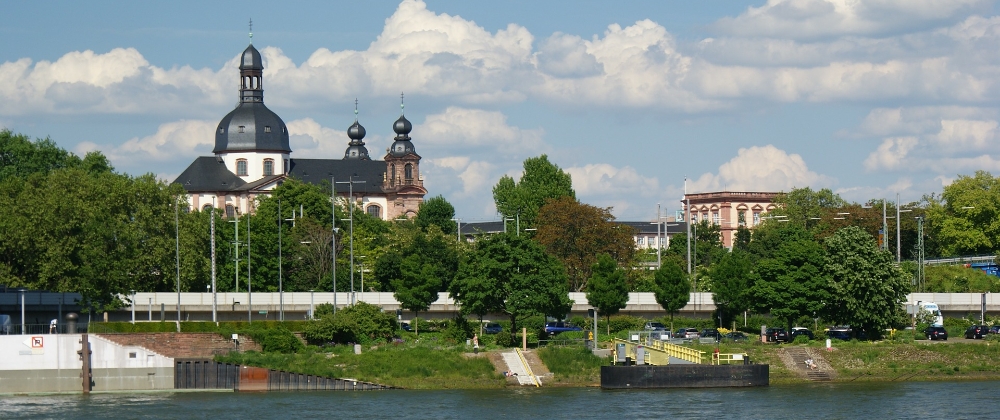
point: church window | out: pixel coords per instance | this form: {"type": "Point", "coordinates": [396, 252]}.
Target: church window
{"type": "Point", "coordinates": [375, 211]}
{"type": "Point", "coordinates": [206, 207]}
{"type": "Point", "coordinates": [392, 173]}
{"type": "Point", "coordinates": [222, 130]}
{"type": "Point", "coordinates": [241, 167]}
{"type": "Point", "coordinates": [283, 129]}
{"type": "Point", "coordinates": [742, 217]}
{"type": "Point", "coordinates": [230, 210]}
{"type": "Point", "coordinates": [242, 129]}
{"type": "Point", "coordinates": [756, 218]}
{"type": "Point", "coordinates": [268, 167]}
{"type": "Point", "coordinates": [285, 169]}
{"type": "Point", "coordinates": [408, 171]}
{"type": "Point", "coordinates": [267, 129]}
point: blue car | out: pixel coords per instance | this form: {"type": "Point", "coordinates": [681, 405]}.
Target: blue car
{"type": "Point", "coordinates": [558, 327]}
{"type": "Point", "coordinates": [493, 328]}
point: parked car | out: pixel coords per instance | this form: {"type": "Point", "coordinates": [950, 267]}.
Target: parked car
{"type": "Point", "coordinates": [558, 327]}
{"type": "Point", "coordinates": [776, 335]}
{"type": "Point", "coordinates": [995, 329]}
{"type": "Point", "coordinates": [686, 333]}
{"type": "Point", "coordinates": [492, 328]}
{"type": "Point", "coordinates": [840, 333]}
{"type": "Point", "coordinates": [735, 336]}
{"type": "Point", "coordinates": [936, 333]}
{"type": "Point", "coordinates": [976, 332]}
{"type": "Point", "coordinates": [711, 333]}
{"type": "Point", "coordinates": [406, 326]}
{"type": "Point", "coordinates": [797, 331]}
{"type": "Point", "coordinates": [654, 326]}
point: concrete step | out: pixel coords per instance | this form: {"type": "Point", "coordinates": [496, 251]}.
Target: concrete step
{"type": "Point", "coordinates": [514, 365]}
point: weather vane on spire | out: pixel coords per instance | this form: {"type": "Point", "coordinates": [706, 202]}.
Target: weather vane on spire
{"type": "Point", "coordinates": [355, 109]}
{"type": "Point", "coordinates": [251, 30]}
{"type": "Point", "coordinates": [401, 105]}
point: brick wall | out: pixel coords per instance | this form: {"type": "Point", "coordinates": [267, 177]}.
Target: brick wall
{"type": "Point", "coordinates": [183, 345]}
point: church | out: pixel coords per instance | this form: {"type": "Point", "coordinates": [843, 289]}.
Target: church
{"type": "Point", "coordinates": [253, 156]}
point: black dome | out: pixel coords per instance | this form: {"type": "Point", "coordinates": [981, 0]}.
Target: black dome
{"type": "Point", "coordinates": [251, 127]}
{"type": "Point", "coordinates": [356, 131]}
{"type": "Point", "coordinates": [402, 126]}
{"type": "Point", "coordinates": [250, 60]}
{"type": "Point", "coordinates": [357, 151]}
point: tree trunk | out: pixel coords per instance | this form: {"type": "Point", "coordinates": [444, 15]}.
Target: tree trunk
{"type": "Point", "coordinates": [416, 329]}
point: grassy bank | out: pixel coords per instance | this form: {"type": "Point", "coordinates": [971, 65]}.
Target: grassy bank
{"type": "Point", "coordinates": [405, 365]}
{"type": "Point", "coordinates": [432, 363]}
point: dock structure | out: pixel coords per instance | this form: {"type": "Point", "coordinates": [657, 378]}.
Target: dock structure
{"type": "Point", "coordinates": [644, 361]}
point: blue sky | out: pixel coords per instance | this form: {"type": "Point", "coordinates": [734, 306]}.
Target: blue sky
{"type": "Point", "coordinates": [868, 98]}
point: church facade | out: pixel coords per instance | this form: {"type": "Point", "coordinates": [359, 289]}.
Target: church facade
{"type": "Point", "coordinates": [252, 156]}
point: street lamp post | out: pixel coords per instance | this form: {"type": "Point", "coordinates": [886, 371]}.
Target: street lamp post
{"type": "Point", "coordinates": [177, 248]}
{"type": "Point", "coordinates": [459, 235]}
{"type": "Point", "coordinates": [133, 306]}
{"type": "Point", "coordinates": [23, 331]}
{"type": "Point", "coordinates": [350, 193]}
{"type": "Point", "coordinates": [215, 300]}
{"type": "Point", "coordinates": [281, 290]}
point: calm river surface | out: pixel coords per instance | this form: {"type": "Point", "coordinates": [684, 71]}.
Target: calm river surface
{"type": "Point", "coordinates": [951, 400]}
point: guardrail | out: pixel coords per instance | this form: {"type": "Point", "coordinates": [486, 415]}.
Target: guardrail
{"type": "Point", "coordinates": [37, 329]}
{"type": "Point", "coordinates": [527, 368]}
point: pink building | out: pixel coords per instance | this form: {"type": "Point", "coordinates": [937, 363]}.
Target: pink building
{"type": "Point", "coordinates": [729, 209]}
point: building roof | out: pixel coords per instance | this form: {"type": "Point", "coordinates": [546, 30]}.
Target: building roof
{"type": "Point", "coordinates": [208, 173]}
{"type": "Point", "coordinates": [251, 127]}
{"type": "Point", "coordinates": [315, 171]}
{"type": "Point", "coordinates": [642, 228]}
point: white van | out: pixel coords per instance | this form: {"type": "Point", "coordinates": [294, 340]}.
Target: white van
{"type": "Point", "coordinates": [932, 308]}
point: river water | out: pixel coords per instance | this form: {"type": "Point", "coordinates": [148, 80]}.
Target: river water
{"type": "Point", "coordinates": [952, 400]}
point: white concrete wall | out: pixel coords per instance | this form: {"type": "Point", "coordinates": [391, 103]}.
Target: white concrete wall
{"type": "Point", "coordinates": [49, 363]}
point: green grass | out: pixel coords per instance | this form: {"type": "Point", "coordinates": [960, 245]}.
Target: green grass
{"type": "Point", "coordinates": [572, 364]}
{"type": "Point", "coordinates": [412, 366]}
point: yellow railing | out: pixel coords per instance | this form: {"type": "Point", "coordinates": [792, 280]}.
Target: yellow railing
{"type": "Point", "coordinates": [728, 358]}
{"type": "Point", "coordinates": [659, 352]}
{"type": "Point", "coordinates": [527, 368]}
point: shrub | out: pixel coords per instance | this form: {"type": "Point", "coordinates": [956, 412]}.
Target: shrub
{"type": "Point", "coordinates": [504, 339]}
{"type": "Point", "coordinates": [360, 323]}
{"type": "Point", "coordinates": [801, 339]}
{"type": "Point", "coordinates": [626, 323]}
{"type": "Point", "coordinates": [458, 330]}
{"type": "Point", "coordinates": [275, 340]}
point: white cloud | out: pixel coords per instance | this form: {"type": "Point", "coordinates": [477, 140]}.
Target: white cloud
{"type": "Point", "coordinates": [484, 131]}
{"type": "Point", "coordinates": [600, 180]}
{"type": "Point", "coordinates": [826, 18]}
{"type": "Point", "coordinates": [173, 142]}
{"type": "Point", "coordinates": [310, 140]}
{"type": "Point", "coordinates": [759, 168]}
{"type": "Point", "coordinates": [890, 154]}
{"type": "Point", "coordinates": [564, 55]}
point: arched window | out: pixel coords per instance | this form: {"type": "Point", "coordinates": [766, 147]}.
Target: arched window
{"type": "Point", "coordinates": [392, 173]}
{"type": "Point", "coordinates": [241, 167]}
{"type": "Point", "coordinates": [230, 210]}
{"type": "Point", "coordinates": [268, 167]}
{"type": "Point", "coordinates": [408, 171]}
{"type": "Point", "coordinates": [207, 207]}
{"type": "Point", "coordinates": [374, 211]}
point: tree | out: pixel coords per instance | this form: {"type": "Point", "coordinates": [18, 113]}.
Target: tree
{"type": "Point", "coordinates": [436, 211]}
{"type": "Point", "coordinates": [540, 181]}
{"type": "Point", "coordinates": [607, 290]}
{"type": "Point", "coordinates": [742, 239]}
{"type": "Point", "coordinates": [512, 275]}
{"type": "Point", "coordinates": [791, 283]}
{"type": "Point", "coordinates": [21, 157]}
{"type": "Point", "coordinates": [427, 267]}
{"type": "Point", "coordinates": [966, 218]}
{"type": "Point", "coordinates": [802, 205]}
{"type": "Point", "coordinates": [730, 282]}
{"type": "Point", "coordinates": [577, 233]}
{"type": "Point", "coordinates": [673, 290]}
{"type": "Point", "coordinates": [868, 289]}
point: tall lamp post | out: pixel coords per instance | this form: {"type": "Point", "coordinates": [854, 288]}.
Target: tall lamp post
{"type": "Point", "coordinates": [177, 245]}
{"type": "Point", "coordinates": [350, 182]}
{"type": "Point", "coordinates": [281, 290]}
{"type": "Point", "coordinates": [459, 235]}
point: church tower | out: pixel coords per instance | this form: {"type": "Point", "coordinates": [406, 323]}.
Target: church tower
{"type": "Point", "coordinates": [403, 182]}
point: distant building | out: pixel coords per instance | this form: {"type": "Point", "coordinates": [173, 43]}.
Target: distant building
{"type": "Point", "coordinates": [729, 210]}
{"type": "Point", "coordinates": [252, 157]}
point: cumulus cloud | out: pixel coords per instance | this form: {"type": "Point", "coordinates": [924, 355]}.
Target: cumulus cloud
{"type": "Point", "coordinates": [173, 142]}
{"type": "Point", "coordinates": [310, 140]}
{"type": "Point", "coordinates": [765, 168]}
{"type": "Point", "coordinates": [465, 129]}
{"type": "Point", "coordinates": [826, 18]}
{"type": "Point", "coordinates": [944, 140]}
{"type": "Point", "coordinates": [890, 154]}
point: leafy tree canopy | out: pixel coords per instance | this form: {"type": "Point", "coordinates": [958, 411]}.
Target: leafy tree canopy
{"type": "Point", "coordinates": [966, 218]}
{"type": "Point", "coordinates": [791, 283]}
{"type": "Point", "coordinates": [512, 275]}
{"type": "Point", "coordinates": [439, 212]}
{"type": "Point", "coordinates": [867, 287]}
{"type": "Point", "coordinates": [731, 279]}
{"type": "Point", "coordinates": [606, 289]}
{"type": "Point", "coordinates": [541, 180]}
{"type": "Point", "coordinates": [577, 233]}
{"type": "Point", "coordinates": [673, 290]}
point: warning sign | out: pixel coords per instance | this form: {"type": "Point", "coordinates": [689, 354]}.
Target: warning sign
{"type": "Point", "coordinates": [37, 342]}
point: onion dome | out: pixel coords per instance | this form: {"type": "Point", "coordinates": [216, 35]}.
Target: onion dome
{"type": "Point", "coordinates": [251, 126]}
{"type": "Point", "coordinates": [356, 132]}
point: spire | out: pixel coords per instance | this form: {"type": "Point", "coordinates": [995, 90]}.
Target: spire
{"type": "Point", "coordinates": [401, 104]}
{"type": "Point", "coordinates": [355, 109]}
{"type": "Point", "coordinates": [251, 31]}
{"type": "Point", "coordinates": [356, 148]}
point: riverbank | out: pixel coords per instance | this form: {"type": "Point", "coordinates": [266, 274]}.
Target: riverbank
{"type": "Point", "coordinates": [430, 364]}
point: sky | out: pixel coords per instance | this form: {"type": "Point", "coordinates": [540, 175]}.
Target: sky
{"type": "Point", "coordinates": [636, 100]}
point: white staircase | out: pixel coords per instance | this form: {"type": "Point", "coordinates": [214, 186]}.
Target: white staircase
{"type": "Point", "coordinates": [515, 365]}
